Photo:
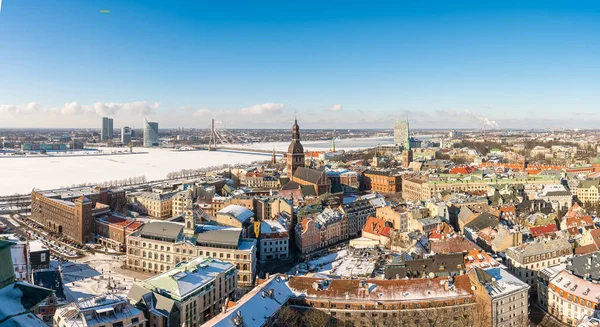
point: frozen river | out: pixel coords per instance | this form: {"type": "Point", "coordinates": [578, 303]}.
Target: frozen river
{"type": "Point", "coordinates": [21, 175]}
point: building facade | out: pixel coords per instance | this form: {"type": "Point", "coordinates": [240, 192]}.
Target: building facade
{"type": "Point", "coordinates": [125, 135]}
{"type": "Point", "coordinates": [572, 297]}
{"type": "Point", "coordinates": [383, 181]}
{"type": "Point", "coordinates": [502, 295]}
{"type": "Point", "coordinates": [190, 294]}
{"type": "Point", "coordinates": [273, 240]}
{"type": "Point", "coordinates": [401, 132]}
{"type": "Point", "coordinates": [106, 133]}
{"type": "Point", "coordinates": [159, 205]}
{"type": "Point", "coordinates": [421, 189]}
{"type": "Point", "coordinates": [524, 261]}
{"type": "Point", "coordinates": [357, 213]}
{"type": "Point", "coordinates": [410, 303]}
{"type": "Point", "coordinates": [159, 246]}
{"type": "Point", "coordinates": [100, 311]}
{"type": "Point", "coordinates": [151, 136]}
{"type": "Point", "coordinates": [72, 219]}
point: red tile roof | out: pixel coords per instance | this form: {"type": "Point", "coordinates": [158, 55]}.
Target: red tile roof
{"type": "Point", "coordinates": [586, 249]}
{"type": "Point", "coordinates": [453, 245]}
{"type": "Point", "coordinates": [581, 221]}
{"type": "Point", "coordinates": [462, 170]}
{"type": "Point", "coordinates": [376, 226]}
{"type": "Point", "coordinates": [442, 232]}
{"type": "Point", "coordinates": [543, 230]}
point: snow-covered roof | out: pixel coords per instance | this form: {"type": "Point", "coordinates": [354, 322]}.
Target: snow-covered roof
{"type": "Point", "coordinates": [504, 283]}
{"type": "Point", "coordinates": [271, 227]}
{"type": "Point", "coordinates": [18, 254]}
{"type": "Point", "coordinates": [37, 246]}
{"type": "Point", "coordinates": [81, 313]}
{"type": "Point", "coordinates": [576, 286]}
{"type": "Point", "coordinates": [257, 307]}
{"type": "Point", "coordinates": [188, 277]}
{"type": "Point", "coordinates": [430, 289]}
{"type": "Point", "coordinates": [238, 212]}
{"type": "Point", "coordinates": [18, 299]}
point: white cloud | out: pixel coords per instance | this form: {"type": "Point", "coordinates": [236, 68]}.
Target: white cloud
{"type": "Point", "coordinates": [74, 108]}
{"type": "Point", "coordinates": [265, 108]}
{"type": "Point", "coordinates": [336, 107]}
{"type": "Point", "coordinates": [132, 108]}
{"type": "Point", "coordinates": [9, 108]}
{"type": "Point", "coordinates": [201, 113]}
{"type": "Point", "coordinates": [31, 107]}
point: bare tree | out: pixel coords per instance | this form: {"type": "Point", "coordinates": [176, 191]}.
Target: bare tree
{"type": "Point", "coordinates": [287, 316]}
{"type": "Point", "coordinates": [316, 318]}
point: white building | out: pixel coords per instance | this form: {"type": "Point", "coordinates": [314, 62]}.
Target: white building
{"type": "Point", "coordinates": [274, 241]}
{"type": "Point", "coordinates": [524, 261]}
{"type": "Point", "coordinates": [508, 296]}
{"type": "Point", "coordinates": [557, 195]}
{"type": "Point", "coordinates": [574, 293]}
{"type": "Point", "coordinates": [107, 310]}
{"type": "Point", "coordinates": [151, 136]}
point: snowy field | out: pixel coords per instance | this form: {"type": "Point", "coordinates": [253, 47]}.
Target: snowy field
{"type": "Point", "coordinates": [93, 274]}
{"type": "Point", "coordinates": [20, 175]}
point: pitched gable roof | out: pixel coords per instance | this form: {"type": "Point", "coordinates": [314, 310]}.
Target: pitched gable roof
{"type": "Point", "coordinates": [308, 175]}
{"type": "Point", "coordinates": [543, 230]}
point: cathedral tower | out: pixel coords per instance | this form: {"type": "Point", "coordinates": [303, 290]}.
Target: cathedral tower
{"type": "Point", "coordinates": [295, 154]}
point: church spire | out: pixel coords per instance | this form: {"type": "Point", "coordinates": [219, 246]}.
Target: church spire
{"type": "Point", "coordinates": [295, 129]}
{"type": "Point", "coordinates": [407, 140]}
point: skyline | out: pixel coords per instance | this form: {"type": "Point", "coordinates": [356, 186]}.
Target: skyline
{"type": "Point", "coordinates": [338, 64]}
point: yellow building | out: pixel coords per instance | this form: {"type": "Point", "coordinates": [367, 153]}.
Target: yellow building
{"type": "Point", "coordinates": [158, 205]}
{"type": "Point", "coordinates": [587, 192]}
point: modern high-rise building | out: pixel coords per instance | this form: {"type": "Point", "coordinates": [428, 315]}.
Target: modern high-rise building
{"type": "Point", "coordinates": [125, 135]}
{"type": "Point", "coordinates": [106, 133]}
{"type": "Point", "coordinates": [151, 134]}
{"type": "Point", "coordinates": [402, 133]}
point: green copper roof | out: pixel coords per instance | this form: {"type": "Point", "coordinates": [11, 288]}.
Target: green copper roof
{"type": "Point", "coordinates": [4, 244]}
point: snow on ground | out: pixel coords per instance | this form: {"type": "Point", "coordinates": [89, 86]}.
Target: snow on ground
{"type": "Point", "coordinates": [93, 274]}
{"type": "Point", "coordinates": [353, 267]}
{"type": "Point", "coordinates": [325, 262]}
{"type": "Point", "coordinates": [21, 175]}
{"type": "Point", "coordinates": [53, 172]}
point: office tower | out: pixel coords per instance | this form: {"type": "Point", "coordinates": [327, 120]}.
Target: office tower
{"type": "Point", "coordinates": [402, 133]}
{"type": "Point", "coordinates": [125, 135]}
{"type": "Point", "coordinates": [104, 129]}
{"type": "Point", "coordinates": [110, 128]}
{"type": "Point", "coordinates": [106, 133]}
{"type": "Point", "coordinates": [150, 134]}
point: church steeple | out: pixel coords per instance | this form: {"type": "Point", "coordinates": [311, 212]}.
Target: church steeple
{"type": "Point", "coordinates": [407, 140]}
{"type": "Point", "coordinates": [295, 154]}
{"type": "Point", "coordinates": [295, 130]}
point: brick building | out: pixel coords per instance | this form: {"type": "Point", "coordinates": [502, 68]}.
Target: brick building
{"type": "Point", "coordinates": [383, 181]}
{"type": "Point", "coordinates": [72, 219]}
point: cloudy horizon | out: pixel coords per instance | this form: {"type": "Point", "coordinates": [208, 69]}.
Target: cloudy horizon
{"type": "Point", "coordinates": [362, 64]}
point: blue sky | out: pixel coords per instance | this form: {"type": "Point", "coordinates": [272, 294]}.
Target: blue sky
{"type": "Point", "coordinates": [339, 64]}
